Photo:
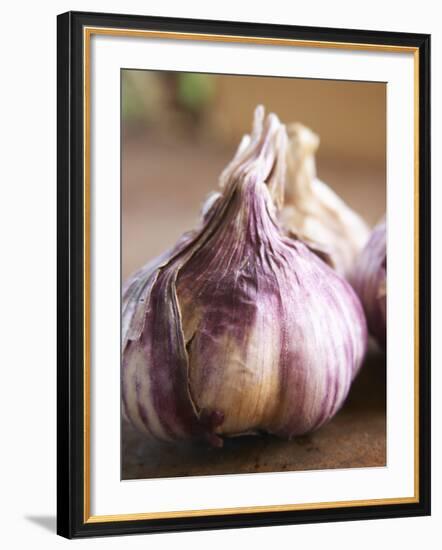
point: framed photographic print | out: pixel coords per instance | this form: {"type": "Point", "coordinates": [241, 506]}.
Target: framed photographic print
{"type": "Point", "coordinates": [231, 351]}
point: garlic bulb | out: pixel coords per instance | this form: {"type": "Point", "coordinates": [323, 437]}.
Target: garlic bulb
{"type": "Point", "coordinates": [313, 212]}
{"type": "Point", "coordinates": [369, 279]}
{"type": "Point", "coordinates": [240, 329]}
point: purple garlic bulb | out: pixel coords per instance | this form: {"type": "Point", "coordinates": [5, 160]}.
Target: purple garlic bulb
{"type": "Point", "coordinates": [369, 279]}
{"type": "Point", "coordinates": [240, 329]}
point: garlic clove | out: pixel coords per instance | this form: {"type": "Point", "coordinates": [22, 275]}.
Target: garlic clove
{"type": "Point", "coordinates": [313, 211]}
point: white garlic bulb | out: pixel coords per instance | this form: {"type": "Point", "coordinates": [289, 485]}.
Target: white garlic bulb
{"type": "Point", "coordinates": [315, 213]}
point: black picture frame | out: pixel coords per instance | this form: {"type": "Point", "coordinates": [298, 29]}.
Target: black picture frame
{"type": "Point", "coordinates": [72, 519]}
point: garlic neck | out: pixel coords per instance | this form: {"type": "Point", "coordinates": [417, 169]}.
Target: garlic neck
{"type": "Point", "coordinates": [301, 165]}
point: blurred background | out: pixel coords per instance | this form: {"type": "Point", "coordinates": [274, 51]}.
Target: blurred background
{"type": "Point", "coordinates": [179, 130]}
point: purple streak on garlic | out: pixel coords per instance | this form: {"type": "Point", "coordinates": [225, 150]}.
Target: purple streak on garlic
{"type": "Point", "coordinates": [369, 279]}
{"type": "Point", "coordinates": [313, 212]}
{"type": "Point", "coordinates": [240, 329]}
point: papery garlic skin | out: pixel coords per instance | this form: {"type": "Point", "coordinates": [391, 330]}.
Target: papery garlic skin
{"type": "Point", "coordinates": [315, 213]}
{"type": "Point", "coordinates": [136, 289]}
{"type": "Point", "coordinates": [369, 279]}
{"type": "Point", "coordinates": [242, 329]}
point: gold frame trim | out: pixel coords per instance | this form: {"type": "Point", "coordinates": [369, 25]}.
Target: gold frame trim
{"type": "Point", "coordinates": [87, 33]}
